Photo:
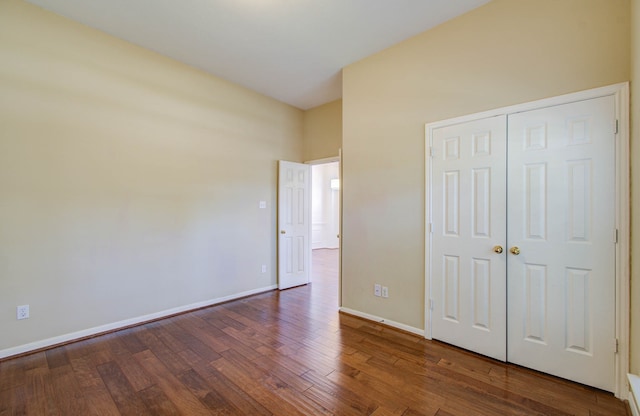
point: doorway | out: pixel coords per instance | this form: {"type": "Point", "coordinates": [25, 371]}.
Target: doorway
{"type": "Point", "coordinates": [325, 206]}
{"type": "Point", "coordinates": [309, 194]}
{"type": "Point", "coordinates": [325, 224]}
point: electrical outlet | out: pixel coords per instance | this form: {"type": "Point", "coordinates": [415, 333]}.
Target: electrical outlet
{"type": "Point", "coordinates": [264, 268]}
{"type": "Point", "coordinates": [376, 290]}
{"type": "Point", "coordinates": [22, 312]}
{"type": "Point", "coordinates": [385, 292]}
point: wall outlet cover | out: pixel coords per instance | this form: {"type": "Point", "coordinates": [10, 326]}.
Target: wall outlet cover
{"type": "Point", "coordinates": [22, 312]}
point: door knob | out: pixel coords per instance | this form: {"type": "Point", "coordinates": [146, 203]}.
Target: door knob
{"type": "Point", "coordinates": [497, 249]}
{"type": "Point", "coordinates": [514, 250]}
{"type": "Point", "coordinates": [283, 232]}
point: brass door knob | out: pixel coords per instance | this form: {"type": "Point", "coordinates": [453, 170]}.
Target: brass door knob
{"type": "Point", "coordinates": [514, 250]}
{"type": "Point", "coordinates": [497, 249]}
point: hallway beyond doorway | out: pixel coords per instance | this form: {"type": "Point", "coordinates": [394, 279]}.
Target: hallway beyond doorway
{"type": "Point", "coordinates": [324, 280]}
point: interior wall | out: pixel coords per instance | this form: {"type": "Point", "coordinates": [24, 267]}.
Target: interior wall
{"type": "Point", "coordinates": [503, 53]}
{"type": "Point", "coordinates": [635, 186]}
{"type": "Point", "coordinates": [324, 206]}
{"type": "Point", "coordinates": [323, 131]}
{"type": "Point", "coordinates": [129, 183]}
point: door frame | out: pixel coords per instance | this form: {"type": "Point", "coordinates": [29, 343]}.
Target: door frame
{"type": "Point", "coordinates": [620, 92]}
{"type": "Point", "coordinates": [322, 162]}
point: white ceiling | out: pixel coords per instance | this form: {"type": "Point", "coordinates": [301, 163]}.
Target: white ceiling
{"type": "Point", "coordinates": [291, 50]}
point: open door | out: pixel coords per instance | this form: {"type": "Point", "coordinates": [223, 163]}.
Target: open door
{"type": "Point", "coordinates": [294, 224]}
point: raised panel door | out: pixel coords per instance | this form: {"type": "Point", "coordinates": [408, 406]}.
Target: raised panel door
{"type": "Point", "coordinates": [561, 204]}
{"type": "Point", "coordinates": [294, 224]}
{"type": "Point", "coordinates": [468, 216]}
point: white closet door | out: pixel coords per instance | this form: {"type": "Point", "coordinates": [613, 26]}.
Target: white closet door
{"type": "Point", "coordinates": [468, 215]}
{"type": "Point", "coordinates": [561, 299]}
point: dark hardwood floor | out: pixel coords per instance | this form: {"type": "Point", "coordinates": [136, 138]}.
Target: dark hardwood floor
{"type": "Point", "coordinates": [281, 353]}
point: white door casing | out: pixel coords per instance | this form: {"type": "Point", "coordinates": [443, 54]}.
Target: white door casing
{"type": "Point", "coordinates": [561, 217]}
{"type": "Point", "coordinates": [467, 262]}
{"type": "Point", "coordinates": [586, 330]}
{"type": "Point", "coordinates": [294, 224]}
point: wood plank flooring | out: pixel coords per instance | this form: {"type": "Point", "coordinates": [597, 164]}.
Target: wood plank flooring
{"type": "Point", "coordinates": [281, 353]}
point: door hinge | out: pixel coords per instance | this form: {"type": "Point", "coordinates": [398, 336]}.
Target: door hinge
{"type": "Point", "coordinates": [616, 346]}
{"type": "Point", "coordinates": [430, 304]}
{"type": "Point", "coordinates": [615, 236]}
{"type": "Point", "coordinates": [432, 152]}
{"type": "Point", "coordinates": [430, 227]}
{"type": "Point", "coordinates": [617, 127]}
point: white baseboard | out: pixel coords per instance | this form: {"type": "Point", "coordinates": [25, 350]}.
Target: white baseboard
{"type": "Point", "coordinates": [634, 394]}
{"type": "Point", "coordinates": [61, 339]}
{"type": "Point", "coordinates": [633, 406]}
{"type": "Point", "coordinates": [388, 322]}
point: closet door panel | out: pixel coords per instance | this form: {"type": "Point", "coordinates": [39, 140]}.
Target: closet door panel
{"type": "Point", "coordinates": [468, 216]}
{"type": "Point", "coordinates": [561, 223]}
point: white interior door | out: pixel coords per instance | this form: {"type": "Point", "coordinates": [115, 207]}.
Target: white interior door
{"type": "Point", "coordinates": [561, 218]}
{"type": "Point", "coordinates": [294, 224]}
{"type": "Point", "coordinates": [468, 272]}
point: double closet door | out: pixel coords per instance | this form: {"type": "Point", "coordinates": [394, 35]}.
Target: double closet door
{"type": "Point", "coordinates": [523, 238]}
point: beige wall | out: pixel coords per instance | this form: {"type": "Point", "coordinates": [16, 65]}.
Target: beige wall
{"type": "Point", "coordinates": [635, 186]}
{"type": "Point", "coordinates": [504, 53]}
{"type": "Point", "coordinates": [129, 183]}
{"type": "Point", "coordinates": [323, 131]}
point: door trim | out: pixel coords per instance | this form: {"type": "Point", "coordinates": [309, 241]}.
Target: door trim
{"type": "Point", "coordinates": [620, 92]}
